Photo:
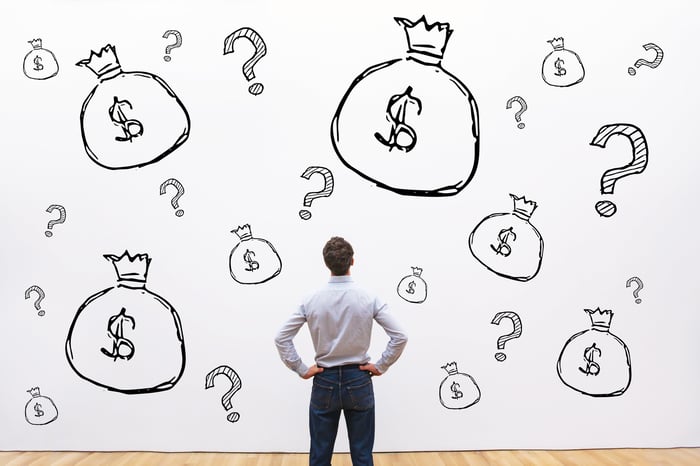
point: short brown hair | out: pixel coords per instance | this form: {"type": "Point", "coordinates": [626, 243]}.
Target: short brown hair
{"type": "Point", "coordinates": [337, 254]}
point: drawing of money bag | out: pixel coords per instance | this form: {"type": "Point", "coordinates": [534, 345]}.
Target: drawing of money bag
{"type": "Point", "coordinates": [595, 362]}
{"type": "Point", "coordinates": [507, 244]}
{"type": "Point", "coordinates": [130, 119]}
{"type": "Point", "coordinates": [126, 338]}
{"type": "Point", "coordinates": [407, 124]}
{"type": "Point", "coordinates": [412, 287]}
{"type": "Point", "coordinates": [40, 409]}
{"type": "Point", "coordinates": [562, 67]}
{"type": "Point", "coordinates": [253, 260]}
{"type": "Point", "coordinates": [40, 63]}
{"type": "Point", "coordinates": [458, 390]}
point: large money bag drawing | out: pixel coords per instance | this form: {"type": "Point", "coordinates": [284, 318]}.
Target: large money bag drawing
{"type": "Point", "coordinates": [407, 124]}
{"type": "Point", "coordinates": [40, 63]}
{"type": "Point", "coordinates": [562, 67]}
{"type": "Point", "coordinates": [253, 260]}
{"type": "Point", "coordinates": [130, 119]}
{"type": "Point", "coordinates": [507, 243]}
{"type": "Point", "coordinates": [39, 410]}
{"type": "Point", "coordinates": [595, 362]}
{"type": "Point", "coordinates": [412, 287]}
{"type": "Point", "coordinates": [126, 338]}
{"type": "Point", "coordinates": [458, 390]}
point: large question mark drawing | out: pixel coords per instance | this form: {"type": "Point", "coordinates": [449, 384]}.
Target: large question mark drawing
{"type": "Point", "coordinates": [235, 386]}
{"type": "Point", "coordinates": [325, 192]}
{"type": "Point", "coordinates": [178, 42]}
{"type": "Point", "coordinates": [260, 51]}
{"type": "Point", "coordinates": [517, 331]}
{"type": "Point", "coordinates": [640, 156]}
{"type": "Point", "coordinates": [180, 191]}
{"type": "Point", "coordinates": [635, 293]}
{"type": "Point", "coordinates": [523, 107]}
{"type": "Point", "coordinates": [61, 218]}
{"type": "Point", "coordinates": [650, 64]}
{"type": "Point", "coordinates": [37, 302]}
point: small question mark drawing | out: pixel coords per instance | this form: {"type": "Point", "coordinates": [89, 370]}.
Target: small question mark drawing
{"type": "Point", "coordinates": [635, 293]}
{"type": "Point", "coordinates": [61, 218]}
{"type": "Point", "coordinates": [650, 64]}
{"type": "Point", "coordinates": [178, 42]}
{"type": "Point", "coordinates": [517, 331]}
{"type": "Point", "coordinates": [325, 192]}
{"type": "Point", "coordinates": [235, 386]}
{"type": "Point", "coordinates": [180, 191]}
{"type": "Point", "coordinates": [518, 114]}
{"type": "Point", "coordinates": [260, 51]}
{"type": "Point", "coordinates": [640, 158]}
{"type": "Point", "coordinates": [37, 302]}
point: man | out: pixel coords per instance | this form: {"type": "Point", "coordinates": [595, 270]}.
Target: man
{"type": "Point", "coordinates": [340, 318]}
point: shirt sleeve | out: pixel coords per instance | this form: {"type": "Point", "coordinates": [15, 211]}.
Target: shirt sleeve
{"type": "Point", "coordinates": [397, 337]}
{"type": "Point", "coordinates": [285, 345]}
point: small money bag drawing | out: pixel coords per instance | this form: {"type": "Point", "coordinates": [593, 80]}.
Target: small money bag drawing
{"type": "Point", "coordinates": [562, 67]}
{"type": "Point", "coordinates": [126, 338]}
{"type": "Point", "coordinates": [458, 390]}
{"type": "Point", "coordinates": [130, 119]}
{"type": "Point", "coordinates": [40, 63]}
{"type": "Point", "coordinates": [40, 409]}
{"type": "Point", "coordinates": [412, 287]}
{"type": "Point", "coordinates": [253, 260]}
{"type": "Point", "coordinates": [407, 124]}
{"type": "Point", "coordinates": [595, 362]}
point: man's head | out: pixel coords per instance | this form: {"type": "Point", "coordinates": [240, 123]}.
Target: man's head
{"type": "Point", "coordinates": [337, 254]}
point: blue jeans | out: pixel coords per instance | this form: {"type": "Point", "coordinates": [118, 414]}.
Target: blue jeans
{"type": "Point", "coordinates": [347, 389]}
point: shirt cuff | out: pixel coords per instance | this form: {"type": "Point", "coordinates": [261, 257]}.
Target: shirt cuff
{"type": "Point", "coordinates": [302, 369]}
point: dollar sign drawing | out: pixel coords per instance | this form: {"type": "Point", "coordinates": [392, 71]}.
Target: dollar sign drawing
{"type": "Point", "coordinates": [38, 410]}
{"type": "Point", "coordinates": [456, 393]}
{"type": "Point", "coordinates": [592, 368]}
{"type": "Point", "coordinates": [122, 348]}
{"type": "Point", "coordinates": [248, 257]}
{"type": "Point", "coordinates": [132, 128]}
{"type": "Point", "coordinates": [411, 287]}
{"type": "Point", "coordinates": [503, 237]}
{"type": "Point", "coordinates": [402, 136]}
{"type": "Point", "coordinates": [561, 71]}
{"type": "Point", "coordinates": [37, 64]}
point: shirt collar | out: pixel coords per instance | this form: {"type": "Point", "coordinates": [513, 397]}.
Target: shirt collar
{"type": "Point", "coordinates": [340, 279]}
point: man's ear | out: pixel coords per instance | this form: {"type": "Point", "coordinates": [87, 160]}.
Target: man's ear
{"type": "Point", "coordinates": [352, 260]}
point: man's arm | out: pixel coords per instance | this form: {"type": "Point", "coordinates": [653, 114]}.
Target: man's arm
{"type": "Point", "coordinates": [397, 338]}
{"type": "Point", "coordinates": [285, 344]}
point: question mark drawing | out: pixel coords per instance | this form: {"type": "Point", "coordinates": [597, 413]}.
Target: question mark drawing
{"type": "Point", "coordinates": [260, 51]}
{"type": "Point", "coordinates": [523, 107]}
{"type": "Point", "coordinates": [61, 218]}
{"type": "Point", "coordinates": [517, 331]}
{"type": "Point", "coordinates": [325, 192]}
{"type": "Point", "coordinates": [180, 191]}
{"type": "Point", "coordinates": [635, 293]}
{"type": "Point", "coordinates": [37, 302]}
{"type": "Point", "coordinates": [640, 157]}
{"type": "Point", "coordinates": [650, 64]}
{"type": "Point", "coordinates": [235, 386]}
{"type": "Point", "coordinates": [178, 42]}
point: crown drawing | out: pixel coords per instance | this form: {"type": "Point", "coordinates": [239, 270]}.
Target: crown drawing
{"type": "Point", "coordinates": [103, 61]}
{"type": "Point", "coordinates": [600, 319]}
{"type": "Point", "coordinates": [34, 391]}
{"type": "Point", "coordinates": [557, 43]}
{"type": "Point", "coordinates": [428, 39]}
{"type": "Point", "coordinates": [451, 368]}
{"type": "Point", "coordinates": [36, 43]}
{"type": "Point", "coordinates": [130, 268]}
{"type": "Point", "coordinates": [417, 271]}
{"type": "Point", "coordinates": [522, 207]}
{"type": "Point", "coordinates": [243, 232]}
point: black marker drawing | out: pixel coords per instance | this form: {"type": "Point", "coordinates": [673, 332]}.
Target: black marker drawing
{"type": "Point", "coordinates": [640, 158]}
{"type": "Point", "coordinates": [131, 118]}
{"type": "Point", "coordinates": [180, 191]}
{"type": "Point", "coordinates": [639, 287]}
{"type": "Point", "coordinates": [253, 260]}
{"type": "Point", "coordinates": [39, 410]}
{"type": "Point", "coordinates": [260, 51]}
{"type": "Point", "coordinates": [327, 190]}
{"type": "Point", "coordinates": [412, 287]}
{"type": "Point", "coordinates": [517, 331]}
{"type": "Point", "coordinates": [458, 390]}
{"type": "Point", "coordinates": [40, 63]}
{"type": "Point", "coordinates": [169, 48]}
{"type": "Point", "coordinates": [507, 243]}
{"type": "Point", "coordinates": [562, 67]}
{"type": "Point", "coordinates": [407, 124]}
{"type": "Point", "coordinates": [126, 338]}
{"type": "Point", "coordinates": [235, 380]}
{"type": "Point", "coordinates": [518, 114]}
{"type": "Point", "coordinates": [37, 302]}
{"type": "Point", "coordinates": [651, 64]}
{"type": "Point", "coordinates": [595, 362]}
{"type": "Point", "coordinates": [58, 221]}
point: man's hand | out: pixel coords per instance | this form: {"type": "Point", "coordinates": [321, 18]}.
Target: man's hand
{"type": "Point", "coordinates": [370, 368]}
{"type": "Point", "coordinates": [313, 370]}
